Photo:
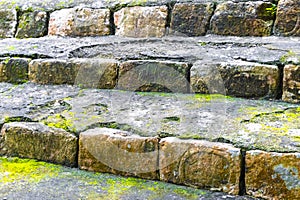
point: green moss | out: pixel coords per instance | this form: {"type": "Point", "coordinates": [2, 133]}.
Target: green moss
{"type": "Point", "coordinates": [191, 136]}
{"type": "Point", "coordinates": [59, 121]}
{"type": "Point", "coordinates": [11, 48]}
{"type": "Point", "coordinates": [290, 55]}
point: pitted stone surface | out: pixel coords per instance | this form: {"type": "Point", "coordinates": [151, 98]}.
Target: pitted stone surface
{"type": "Point", "coordinates": [291, 83]}
{"type": "Point", "coordinates": [273, 175]}
{"type": "Point", "coordinates": [8, 22]}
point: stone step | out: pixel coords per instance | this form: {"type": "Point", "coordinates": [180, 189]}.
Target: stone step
{"type": "Point", "coordinates": [233, 145]}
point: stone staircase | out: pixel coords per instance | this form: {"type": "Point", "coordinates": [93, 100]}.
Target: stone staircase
{"type": "Point", "coordinates": [163, 90]}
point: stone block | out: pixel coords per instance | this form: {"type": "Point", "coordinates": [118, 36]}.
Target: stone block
{"type": "Point", "coordinates": [273, 175]}
{"type": "Point", "coordinates": [80, 22]}
{"type": "Point", "coordinates": [287, 21]}
{"type": "Point", "coordinates": [37, 141]}
{"type": "Point", "coordinates": [141, 21]}
{"type": "Point", "coordinates": [291, 84]}
{"type": "Point", "coordinates": [14, 70]}
{"type": "Point", "coordinates": [236, 78]}
{"type": "Point", "coordinates": [118, 152]}
{"type": "Point", "coordinates": [191, 19]}
{"type": "Point", "coordinates": [143, 75]}
{"type": "Point", "coordinates": [32, 25]}
{"type": "Point", "coordinates": [8, 22]}
{"type": "Point", "coordinates": [251, 18]}
{"type": "Point", "coordinates": [200, 163]}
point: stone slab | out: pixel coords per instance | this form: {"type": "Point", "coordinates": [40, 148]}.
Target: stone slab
{"type": "Point", "coordinates": [291, 84]}
{"type": "Point", "coordinates": [37, 141]}
{"type": "Point", "coordinates": [118, 152]}
{"type": "Point", "coordinates": [200, 163]}
{"type": "Point", "coordinates": [8, 22]}
{"type": "Point", "coordinates": [14, 70]}
{"type": "Point", "coordinates": [273, 175]}
{"type": "Point", "coordinates": [141, 21]}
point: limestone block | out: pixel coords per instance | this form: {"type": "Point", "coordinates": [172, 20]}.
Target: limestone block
{"type": "Point", "coordinates": [37, 141]}
{"type": "Point", "coordinates": [200, 163]}
{"type": "Point", "coordinates": [80, 22]}
{"type": "Point", "coordinates": [273, 175]}
{"type": "Point", "coordinates": [52, 71]}
{"type": "Point", "coordinates": [142, 75]}
{"type": "Point", "coordinates": [8, 22]}
{"type": "Point", "coordinates": [291, 84]}
{"type": "Point", "coordinates": [288, 18]}
{"type": "Point", "coordinates": [141, 21]}
{"type": "Point", "coordinates": [118, 152]}
{"type": "Point", "coordinates": [252, 18]}
{"type": "Point", "coordinates": [236, 78]}
{"type": "Point", "coordinates": [14, 70]}
{"type": "Point", "coordinates": [191, 19]}
{"type": "Point", "coordinates": [32, 25]}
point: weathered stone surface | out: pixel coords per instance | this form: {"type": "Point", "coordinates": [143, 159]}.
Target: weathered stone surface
{"type": "Point", "coordinates": [154, 76]}
{"type": "Point", "coordinates": [191, 19]}
{"type": "Point", "coordinates": [291, 84]}
{"type": "Point", "coordinates": [141, 21]}
{"type": "Point", "coordinates": [273, 175]}
{"type": "Point", "coordinates": [200, 163]}
{"type": "Point", "coordinates": [288, 18]}
{"type": "Point", "coordinates": [237, 78]}
{"type": "Point", "coordinates": [52, 71]}
{"type": "Point", "coordinates": [251, 18]}
{"type": "Point", "coordinates": [118, 152]}
{"type": "Point", "coordinates": [37, 141]}
{"type": "Point", "coordinates": [80, 22]}
{"type": "Point", "coordinates": [32, 24]}
{"type": "Point", "coordinates": [8, 22]}
{"type": "Point", "coordinates": [14, 70]}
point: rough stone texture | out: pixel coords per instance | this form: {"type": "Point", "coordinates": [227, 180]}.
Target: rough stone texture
{"type": "Point", "coordinates": [191, 19]}
{"type": "Point", "coordinates": [200, 163]}
{"type": "Point", "coordinates": [118, 152]}
{"type": "Point", "coordinates": [273, 175]}
{"type": "Point", "coordinates": [37, 141]}
{"type": "Point", "coordinates": [237, 78]}
{"type": "Point", "coordinates": [52, 71]}
{"type": "Point", "coordinates": [154, 76]}
{"type": "Point", "coordinates": [14, 70]}
{"type": "Point", "coordinates": [32, 24]}
{"type": "Point", "coordinates": [287, 21]}
{"type": "Point", "coordinates": [141, 21]}
{"type": "Point", "coordinates": [291, 84]}
{"type": "Point", "coordinates": [250, 18]}
{"type": "Point", "coordinates": [80, 22]}
{"type": "Point", "coordinates": [8, 22]}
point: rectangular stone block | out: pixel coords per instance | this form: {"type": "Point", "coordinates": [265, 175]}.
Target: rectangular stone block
{"type": "Point", "coordinates": [236, 78]}
{"type": "Point", "coordinates": [200, 163]}
{"type": "Point", "coordinates": [271, 175]}
{"type": "Point", "coordinates": [14, 70]}
{"type": "Point", "coordinates": [251, 18]}
{"type": "Point", "coordinates": [291, 84]}
{"type": "Point", "coordinates": [37, 141]}
{"type": "Point", "coordinates": [80, 22]}
{"type": "Point", "coordinates": [8, 22]}
{"type": "Point", "coordinates": [191, 19]}
{"type": "Point", "coordinates": [118, 152]}
{"type": "Point", "coordinates": [154, 76]}
{"type": "Point", "coordinates": [141, 21]}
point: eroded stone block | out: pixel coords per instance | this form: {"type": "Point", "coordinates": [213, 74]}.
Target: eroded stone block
{"type": "Point", "coordinates": [236, 78]}
{"type": "Point", "coordinates": [8, 22]}
{"type": "Point", "coordinates": [288, 18]}
{"type": "Point", "coordinates": [14, 70]}
{"type": "Point", "coordinates": [273, 175]}
{"type": "Point", "coordinates": [141, 21]}
{"type": "Point", "coordinates": [142, 75]}
{"type": "Point", "coordinates": [291, 84]}
{"type": "Point", "coordinates": [32, 25]}
{"type": "Point", "coordinates": [80, 22]}
{"type": "Point", "coordinates": [37, 141]}
{"type": "Point", "coordinates": [200, 163]}
{"type": "Point", "coordinates": [118, 152]}
{"type": "Point", "coordinates": [191, 19]}
{"type": "Point", "coordinates": [251, 18]}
